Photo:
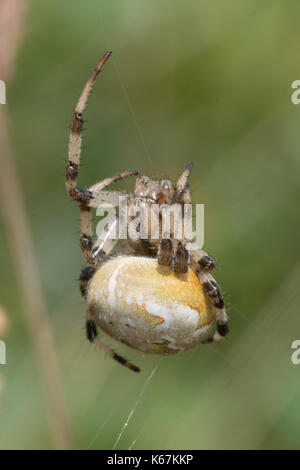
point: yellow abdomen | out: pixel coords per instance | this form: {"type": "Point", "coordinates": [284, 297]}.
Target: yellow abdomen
{"type": "Point", "coordinates": [149, 307]}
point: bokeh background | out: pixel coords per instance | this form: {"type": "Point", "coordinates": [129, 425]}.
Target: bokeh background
{"type": "Point", "coordinates": [207, 81]}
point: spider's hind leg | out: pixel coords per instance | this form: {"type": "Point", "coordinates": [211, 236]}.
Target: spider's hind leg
{"type": "Point", "coordinates": [93, 337]}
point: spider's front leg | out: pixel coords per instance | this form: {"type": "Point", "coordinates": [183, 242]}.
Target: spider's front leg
{"type": "Point", "coordinates": [85, 196]}
{"type": "Point", "coordinates": [76, 193]}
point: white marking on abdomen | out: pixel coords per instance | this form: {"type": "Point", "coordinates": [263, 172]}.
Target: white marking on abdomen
{"type": "Point", "coordinates": [173, 312]}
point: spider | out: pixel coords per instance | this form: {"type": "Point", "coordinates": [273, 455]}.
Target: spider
{"type": "Point", "coordinates": [153, 294]}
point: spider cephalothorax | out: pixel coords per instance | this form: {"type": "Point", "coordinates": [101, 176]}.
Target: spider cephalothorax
{"type": "Point", "coordinates": [154, 293]}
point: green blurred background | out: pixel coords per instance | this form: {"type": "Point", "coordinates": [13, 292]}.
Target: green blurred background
{"type": "Point", "coordinates": [207, 81]}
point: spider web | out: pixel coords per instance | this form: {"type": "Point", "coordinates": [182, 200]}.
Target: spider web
{"type": "Point", "coordinates": [130, 415]}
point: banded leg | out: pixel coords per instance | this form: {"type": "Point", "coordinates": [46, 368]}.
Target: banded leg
{"type": "Point", "coordinates": [95, 255]}
{"type": "Point", "coordinates": [200, 260]}
{"type": "Point", "coordinates": [86, 240]}
{"type": "Point", "coordinates": [100, 197]}
{"type": "Point", "coordinates": [180, 256]}
{"type": "Point", "coordinates": [85, 275]}
{"type": "Point", "coordinates": [174, 254]}
{"type": "Point", "coordinates": [213, 291]}
{"type": "Point", "coordinates": [96, 198]}
{"type": "Point", "coordinates": [105, 243]}
{"type": "Point", "coordinates": [76, 193]}
{"type": "Point", "coordinates": [93, 337]}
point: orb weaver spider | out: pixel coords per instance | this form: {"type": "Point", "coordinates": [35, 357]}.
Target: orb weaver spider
{"type": "Point", "coordinates": [152, 294]}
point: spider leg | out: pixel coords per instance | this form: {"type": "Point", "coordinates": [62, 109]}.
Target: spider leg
{"type": "Point", "coordinates": [86, 241]}
{"type": "Point", "coordinates": [181, 259]}
{"type": "Point", "coordinates": [182, 181]}
{"type": "Point", "coordinates": [200, 260]}
{"type": "Point", "coordinates": [186, 194]}
{"type": "Point", "coordinates": [213, 292]}
{"type": "Point", "coordinates": [85, 275]}
{"type": "Point", "coordinates": [98, 196]}
{"type": "Point", "coordinates": [76, 193]}
{"type": "Point", "coordinates": [168, 190]}
{"type": "Point", "coordinates": [165, 252]}
{"type": "Point", "coordinates": [100, 251]}
{"type": "Point", "coordinates": [172, 252]}
{"type": "Point", "coordinates": [95, 254]}
{"type": "Point", "coordinates": [93, 337]}
{"type": "Point", "coordinates": [105, 243]}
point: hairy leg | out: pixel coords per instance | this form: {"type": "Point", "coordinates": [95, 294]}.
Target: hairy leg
{"type": "Point", "coordinates": [75, 192]}
{"type": "Point", "coordinates": [96, 254]}
{"type": "Point", "coordinates": [85, 275]}
{"type": "Point", "coordinates": [213, 292]}
{"type": "Point", "coordinates": [200, 260]}
{"type": "Point", "coordinates": [93, 337]}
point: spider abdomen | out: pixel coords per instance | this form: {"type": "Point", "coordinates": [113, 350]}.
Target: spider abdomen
{"type": "Point", "coordinates": [149, 307]}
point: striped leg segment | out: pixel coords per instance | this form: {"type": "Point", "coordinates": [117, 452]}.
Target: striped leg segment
{"type": "Point", "coordinates": [98, 197]}
{"type": "Point", "coordinates": [79, 194]}
{"type": "Point", "coordinates": [76, 193]}
{"type": "Point", "coordinates": [86, 240]}
{"type": "Point", "coordinates": [200, 260]}
{"type": "Point", "coordinates": [174, 254]}
{"type": "Point", "coordinates": [105, 243]}
{"type": "Point", "coordinates": [213, 292]}
{"type": "Point", "coordinates": [93, 337]}
{"type": "Point", "coordinates": [94, 196]}
{"type": "Point", "coordinates": [205, 261]}
{"type": "Point", "coordinates": [96, 254]}
{"type": "Point", "coordinates": [85, 275]}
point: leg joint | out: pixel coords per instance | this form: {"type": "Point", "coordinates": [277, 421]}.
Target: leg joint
{"type": "Point", "coordinates": [71, 171]}
{"type": "Point", "coordinates": [85, 242]}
